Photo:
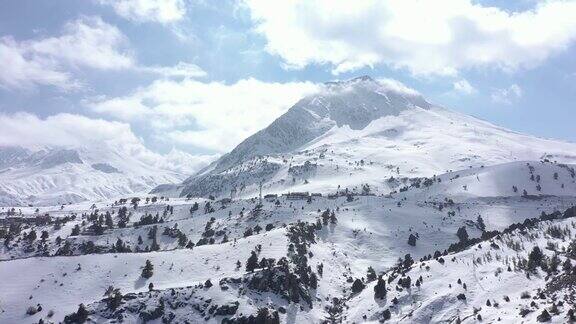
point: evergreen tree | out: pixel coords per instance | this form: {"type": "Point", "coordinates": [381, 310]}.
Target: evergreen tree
{"type": "Point", "coordinates": [148, 270]}
{"type": "Point", "coordinates": [252, 262]}
{"type": "Point", "coordinates": [462, 234]}
{"type": "Point", "coordinates": [567, 266]}
{"type": "Point", "coordinates": [535, 258]}
{"type": "Point", "coordinates": [412, 240]}
{"type": "Point", "coordinates": [75, 230]}
{"type": "Point", "coordinates": [31, 236]}
{"type": "Point", "coordinates": [79, 317]}
{"type": "Point", "coordinates": [480, 223]}
{"type": "Point", "coordinates": [109, 221]}
{"type": "Point", "coordinates": [333, 219]}
{"type": "Point", "coordinates": [194, 207]}
{"type": "Point", "coordinates": [182, 239]}
{"type": "Point", "coordinates": [357, 286]}
{"type": "Point", "coordinates": [371, 274]}
{"type": "Point", "coordinates": [313, 281]}
{"type": "Point", "coordinates": [380, 289]}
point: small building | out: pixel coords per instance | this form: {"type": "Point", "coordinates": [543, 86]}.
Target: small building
{"type": "Point", "coordinates": [224, 201]}
{"type": "Point", "coordinates": [296, 195]}
{"type": "Point", "coordinates": [270, 196]}
{"type": "Point", "coordinates": [39, 220]}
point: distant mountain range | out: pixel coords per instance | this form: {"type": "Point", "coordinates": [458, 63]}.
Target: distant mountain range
{"type": "Point", "coordinates": [55, 175]}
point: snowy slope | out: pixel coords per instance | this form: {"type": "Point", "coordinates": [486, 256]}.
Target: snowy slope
{"type": "Point", "coordinates": [370, 231]}
{"type": "Point", "coordinates": [56, 175]}
{"type": "Point", "coordinates": [496, 286]}
{"type": "Point", "coordinates": [364, 131]}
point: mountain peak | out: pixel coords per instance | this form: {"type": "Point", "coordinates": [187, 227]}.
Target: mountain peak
{"type": "Point", "coordinates": [361, 100]}
{"type": "Point", "coordinates": [359, 79]}
{"type": "Point", "coordinates": [363, 78]}
{"type": "Point", "coordinates": [354, 104]}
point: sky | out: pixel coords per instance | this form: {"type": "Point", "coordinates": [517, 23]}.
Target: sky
{"type": "Point", "coordinates": [199, 76]}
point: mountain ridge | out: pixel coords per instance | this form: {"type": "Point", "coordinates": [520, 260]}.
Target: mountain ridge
{"type": "Point", "coordinates": [62, 175]}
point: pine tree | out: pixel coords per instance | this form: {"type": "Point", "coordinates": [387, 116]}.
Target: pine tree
{"type": "Point", "coordinates": [380, 289]}
{"type": "Point", "coordinates": [148, 270]}
{"type": "Point", "coordinates": [371, 274]}
{"type": "Point", "coordinates": [462, 234]}
{"type": "Point", "coordinates": [31, 236]}
{"type": "Point", "coordinates": [480, 223]}
{"type": "Point", "coordinates": [412, 240]}
{"type": "Point", "coordinates": [109, 221]}
{"type": "Point", "coordinates": [535, 258]}
{"type": "Point", "coordinates": [75, 230]}
{"type": "Point", "coordinates": [357, 286]}
{"type": "Point", "coordinates": [182, 239]}
{"type": "Point", "coordinates": [313, 281]}
{"type": "Point", "coordinates": [252, 262]}
{"type": "Point", "coordinates": [155, 246]}
{"type": "Point", "coordinates": [567, 266]}
{"type": "Point", "coordinates": [194, 207]}
{"type": "Point", "coordinates": [333, 219]}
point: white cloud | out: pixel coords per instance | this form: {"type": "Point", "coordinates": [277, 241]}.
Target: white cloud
{"type": "Point", "coordinates": [507, 95]}
{"type": "Point", "coordinates": [162, 11]}
{"type": "Point", "coordinates": [76, 131]}
{"type": "Point", "coordinates": [210, 115]}
{"type": "Point", "coordinates": [67, 130]}
{"type": "Point", "coordinates": [397, 86]}
{"type": "Point", "coordinates": [19, 70]}
{"type": "Point", "coordinates": [86, 42]}
{"type": "Point", "coordinates": [464, 87]}
{"type": "Point", "coordinates": [425, 37]}
{"type": "Point", "coordinates": [89, 42]}
{"type": "Point", "coordinates": [182, 69]}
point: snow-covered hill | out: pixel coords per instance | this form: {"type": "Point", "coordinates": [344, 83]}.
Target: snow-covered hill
{"type": "Point", "coordinates": [194, 246]}
{"type": "Point", "coordinates": [363, 131]}
{"type": "Point", "coordinates": [57, 175]}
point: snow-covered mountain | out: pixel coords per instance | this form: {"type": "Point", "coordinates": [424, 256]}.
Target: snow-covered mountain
{"type": "Point", "coordinates": [431, 217]}
{"type": "Point", "coordinates": [363, 131]}
{"type": "Point", "coordinates": [57, 175]}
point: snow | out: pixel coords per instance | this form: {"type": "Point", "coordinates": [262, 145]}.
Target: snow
{"type": "Point", "coordinates": [59, 176]}
{"type": "Point", "coordinates": [393, 166]}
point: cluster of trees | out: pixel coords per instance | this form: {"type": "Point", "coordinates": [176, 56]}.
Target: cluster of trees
{"type": "Point", "coordinates": [148, 219]}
